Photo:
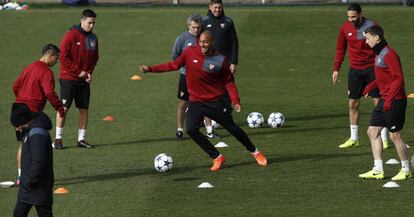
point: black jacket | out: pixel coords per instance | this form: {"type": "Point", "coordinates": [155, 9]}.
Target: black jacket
{"type": "Point", "coordinates": [223, 29]}
{"type": "Point", "coordinates": [37, 178]}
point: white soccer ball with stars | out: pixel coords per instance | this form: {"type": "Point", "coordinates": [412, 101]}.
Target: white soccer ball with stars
{"type": "Point", "coordinates": [163, 162]}
{"type": "Point", "coordinates": [255, 120]}
{"type": "Point", "coordinates": [276, 119]}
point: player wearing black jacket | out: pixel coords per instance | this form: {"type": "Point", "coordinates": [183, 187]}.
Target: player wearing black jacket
{"type": "Point", "coordinates": [37, 179]}
{"type": "Point", "coordinates": [224, 32]}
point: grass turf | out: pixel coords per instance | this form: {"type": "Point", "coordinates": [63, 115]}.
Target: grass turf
{"type": "Point", "coordinates": [286, 56]}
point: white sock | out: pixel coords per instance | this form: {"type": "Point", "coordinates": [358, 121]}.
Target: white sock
{"type": "Point", "coordinates": [19, 171]}
{"type": "Point", "coordinates": [59, 133]}
{"type": "Point", "coordinates": [405, 166]}
{"type": "Point", "coordinates": [180, 129]}
{"type": "Point", "coordinates": [384, 134]}
{"type": "Point", "coordinates": [209, 129]}
{"type": "Point", "coordinates": [81, 134]}
{"type": "Point", "coordinates": [378, 165]}
{"type": "Point", "coordinates": [354, 132]}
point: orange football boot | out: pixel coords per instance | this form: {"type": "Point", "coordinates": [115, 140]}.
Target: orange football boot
{"type": "Point", "coordinates": [217, 163]}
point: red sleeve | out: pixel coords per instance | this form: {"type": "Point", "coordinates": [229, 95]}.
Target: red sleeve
{"type": "Point", "coordinates": [397, 79]}
{"type": "Point", "coordinates": [230, 84]}
{"type": "Point", "coordinates": [48, 86]}
{"type": "Point", "coordinates": [17, 84]}
{"type": "Point", "coordinates": [172, 65]}
{"type": "Point", "coordinates": [371, 86]}
{"type": "Point", "coordinates": [341, 46]}
{"type": "Point", "coordinates": [65, 53]}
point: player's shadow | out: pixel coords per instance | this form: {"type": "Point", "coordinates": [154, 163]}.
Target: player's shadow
{"type": "Point", "coordinates": [286, 129]}
{"type": "Point", "coordinates": [127, 174]}
{"type": "Point", "coordinates": [103, 177]}
{"type": "Point", "coordinates": [224, 134]}
{"type": "Point", "coordinates": [312, 157]}
{"type": "Point", "coordinates": [149, 140]}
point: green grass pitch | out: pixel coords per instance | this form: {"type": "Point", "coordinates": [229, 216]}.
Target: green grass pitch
{"type": "Point", "coordinates": [286, 56]}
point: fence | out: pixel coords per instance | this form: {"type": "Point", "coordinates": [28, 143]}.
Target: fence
{"type": "Point", "coordinates": [257, 2]}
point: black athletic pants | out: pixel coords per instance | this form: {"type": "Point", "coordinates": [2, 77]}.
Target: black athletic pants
{"type": "Point", "coordinates": [22, 210]}
{"type": "Point", "coordinates": [219, 112]}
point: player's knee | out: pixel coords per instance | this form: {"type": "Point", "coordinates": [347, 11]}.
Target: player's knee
{"type": "Point", "coordinates": [394, 136]}
{"type": "Point", "coordinates": [353, 105]}
{"type": "Point", "coordinates": [372, 132]}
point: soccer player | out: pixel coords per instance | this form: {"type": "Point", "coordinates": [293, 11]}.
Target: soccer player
{"type": "Point", "coordinates": [37, 176]}
{"type": "Point", "coordinates": [36, 85]}
{"type": "Point", "coordinates": [390, 111]}
{"type": "Point", "coordinates": [184, 40]}
{"type": "Point", "coordinates": [361, 72]}
{"type": "Point", "coordinates": [208, 78]}
{"type": "Point", "coordinates": [226, 43]}
{"type": "Point", "coordinates": [78, 58]}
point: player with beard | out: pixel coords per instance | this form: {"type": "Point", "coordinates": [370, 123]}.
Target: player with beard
{"type": "Point", "coordinates": [361, 72]}
{"type": "Point", "coordinates": [208, 78]}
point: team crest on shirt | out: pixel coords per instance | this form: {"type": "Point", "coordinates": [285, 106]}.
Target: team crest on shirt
{"type": "Point", "coordinates": [211, 66]}
{"type": "Point", "coordinates": [350, 34]}
{"type": "Point", "coordinates": [189, 44]}
{"type": "Point", "coordinates": [92, 43]}
{"type": "Point", "coordinates": [78, 43]}
{"type": "Point", "coordinates": [195, 61]}
{"type": "Point", "coordinates": [222, 25]}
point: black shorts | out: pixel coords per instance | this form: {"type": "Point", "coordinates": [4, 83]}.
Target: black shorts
{"type": "Point", "coordinates": [78, 90]}
{"type": "Point", "coordinates": [393, 119]}
{"type": "Point", "coordinates": [358, 80]}
{"type": "Point", "coordinates": [182, 88]}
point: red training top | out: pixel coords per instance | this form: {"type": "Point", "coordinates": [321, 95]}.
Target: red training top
{"type": "Point", "coordinates": [208, 77]}
{"type": "Point", "coordinates": [35, 85]}
{"type": "Point", "coordinates": [389, 77]}
{"type": "Point", "coordinates": [78, 52]}
{"type": "Point", "coordinates": [360, 54]}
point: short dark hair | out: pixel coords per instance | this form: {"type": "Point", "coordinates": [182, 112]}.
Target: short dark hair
{"type": "Point", "coordinates": [376, 31]}
{"type": "Point", "coordinates": [355, 7]}
{"type": "Point", "coordinates": [88, 13]}
{"type": "Point", "coordinates": [50, 49]}
{"type": "Point", "coordinates": [216, 2]}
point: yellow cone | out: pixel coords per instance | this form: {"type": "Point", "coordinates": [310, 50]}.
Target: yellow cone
{"type": "Point", "coordinates": [411, 95]}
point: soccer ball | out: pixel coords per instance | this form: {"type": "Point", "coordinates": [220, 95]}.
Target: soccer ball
{"type": "Point", "coordinates": [276, 119]}
{"type": "Point", "coordinates": [163, 162]}
{"type": "Point", "coordinates": [255, 120]}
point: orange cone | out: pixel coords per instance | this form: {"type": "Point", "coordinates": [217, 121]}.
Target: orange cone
{"type": "Point", "coordinates": [136, 78]}
{"type": "Point", "coordinates": [411, 95]}
{"type": "Point", "coordinates": [109, 118]}
{"type": "Point", "coordinates": [61, 191]}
